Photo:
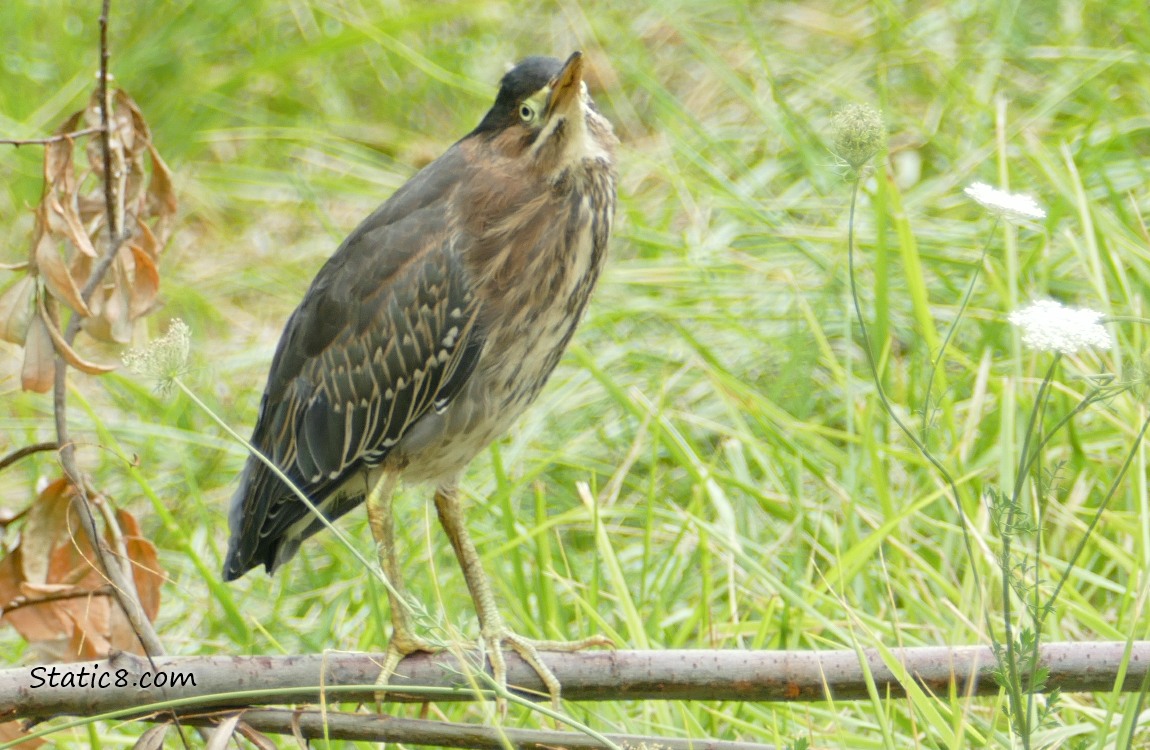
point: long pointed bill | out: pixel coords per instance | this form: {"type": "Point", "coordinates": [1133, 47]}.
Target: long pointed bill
{"type": "Point", "coordinates": [565, 88]}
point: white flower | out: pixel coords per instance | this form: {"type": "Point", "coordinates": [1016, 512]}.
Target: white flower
{"type": "Point", "coordinates": [1049, 327]}
{"type": "Point", "coordinates": [1007, 205]}
{"type": "Point", "coordinates": [165, 358]}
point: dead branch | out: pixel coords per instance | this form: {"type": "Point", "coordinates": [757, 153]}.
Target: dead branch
{"type": "Point", "coordinates": [75, 689]}
{"type": "Point", "coordinates": [371, 727]}
{"type": "Point", "coordinates": [18, 142]}
{"type": "Point", "coordinates": [123, 587]}
{"type": "Point", "coordinates": [21, 453]}
{"type": "Point", "coordinates": [21, 602]}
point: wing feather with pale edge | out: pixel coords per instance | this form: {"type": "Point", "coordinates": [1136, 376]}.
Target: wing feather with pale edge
{"type": "Point", "coordinates": [386, 333]}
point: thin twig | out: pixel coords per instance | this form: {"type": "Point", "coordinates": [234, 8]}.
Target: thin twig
{"type": "Point", "coordinates": [23, 601]}
{"type": "Point", "coordinates": [18, 142]}
{"type": "Point", "coordinates": [106, 129]}
{"type": "Point", "coordinates": [382, 728]}
{"type": "Point", "coordinates": [27, 450]}
{"type": "Point", "coordinates": [123, 587]}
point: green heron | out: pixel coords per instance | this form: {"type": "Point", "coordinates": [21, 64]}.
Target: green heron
{"type": "Point", "coordinates": [429, 331]}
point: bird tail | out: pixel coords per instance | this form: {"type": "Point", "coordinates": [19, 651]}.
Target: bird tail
{"type": "Point", "coordinates": [268, 522]}
{"type": "Point", "coordinates": [244, 542]}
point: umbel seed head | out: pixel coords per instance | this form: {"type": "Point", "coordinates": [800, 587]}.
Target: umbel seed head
{"type": "Point", "coordinates": [163, 359]}
{"type": "Point", "coordinates": [859, 133]}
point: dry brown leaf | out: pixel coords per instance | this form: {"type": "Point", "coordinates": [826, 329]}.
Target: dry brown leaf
{"type": "Point", "coordinates": [39, 369]}
{"type": "Point", "coordinates": [257, 738]}
{"type": "Point", "coordinates": [69, 211]}
{"type": "Point", "coordinates": [135, 136]}
{"type": "Point", "coordinates": [38, 535]}
{"type": "Point", "coordinates": [59, 155]}
{"type": "Point", "coordinates": [67, 352]}
{"type": "Point", "coordinates": [97, 325]}
{"type": "Point", "coordinates": [146, 571]}
{"type": "Point", "coordinates": [153, 738]}
{"type": "Point", "coordinates": [145, 240]}
{"type": "Point", "coordinates": [96, 626]}
{"type": "Point", "coordinates": [70, 232]}
{"type": "Point", "coordinates": [95, 147]}
{"type": "Point", "coordinates": [14, 730]}
{"type": "Point", "coordinates": [10, 577]}
{"type": "Point", "coordinates": [67, 606]}
{"type": "Point", "coordinates": [145, 282]}
{"type": "Point", "coordinates": [116, 309]}
{"type": "Point", "coordinates": [162, 195]}
{"type": "Point", "coordinates": [17, 306]}
{"type": "Point", "coordinates": [92, 211]}
{"type": "Point", "coordinates": [87, 639]}
{"type": "Point", "coordinates": [223, 733]}
{"type": "Point", "coordinates": [36, 622]}
{"type": "Point", "coordinates": [51, 267]}
{"type": "Point", "coordinates": [40, 616]}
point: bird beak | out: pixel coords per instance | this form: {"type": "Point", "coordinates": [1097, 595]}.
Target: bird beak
{"type": "Point", "coordinates": [566, 86]}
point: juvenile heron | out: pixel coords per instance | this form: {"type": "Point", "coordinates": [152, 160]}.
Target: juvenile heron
{"type": "Point", "coordinates": [429, 331]}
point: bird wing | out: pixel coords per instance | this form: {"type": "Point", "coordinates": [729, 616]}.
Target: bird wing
{"type": "Point", "coordinates": [386, 333]}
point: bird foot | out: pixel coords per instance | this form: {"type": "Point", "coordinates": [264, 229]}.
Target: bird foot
{"type": "Point", "coordinates": [495, 642]}
{"type": "Point", "coordinates": [401, 645]}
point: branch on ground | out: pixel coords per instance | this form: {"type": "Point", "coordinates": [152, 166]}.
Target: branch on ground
{"type": "Point", "coordinates": [602, 676]}
{"type": "Point", "coordinates": [372, 727]}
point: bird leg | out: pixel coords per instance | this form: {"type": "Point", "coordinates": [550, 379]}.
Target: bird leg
{"type": "Point", "coordinates": [382, 521]}
{"type": "Point", "coordinates": [493, 631]}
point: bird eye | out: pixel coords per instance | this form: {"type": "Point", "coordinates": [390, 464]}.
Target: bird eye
{"type": "Point", "coordinates": [526, 112]}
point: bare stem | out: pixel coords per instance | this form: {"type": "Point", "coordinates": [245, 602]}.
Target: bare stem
{"type": "Point", "coordinates": [18, 142]}
{"type": "Point", "coordinates": [123, 586]}
{"type": "Point", "coordinates": [27, 450]}
{"type": "Point", "coordinates": [964, 523]}
{"type": "Point", "coordinates": [937, 362]}
{"type": "Point", "coordinates": [105, 129]}
{"type": "Point", "coordinates": [375, 728]}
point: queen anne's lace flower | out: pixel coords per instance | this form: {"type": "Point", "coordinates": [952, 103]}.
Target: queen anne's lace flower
{"type": "Point", "coordinates": [859, 133]}
{"type": "Point", "coordinates": [1007, 205]}
{"type": "Point", "coordinates": [1050, 327]}
{"type": "Point", "coordinates": [163, 359]}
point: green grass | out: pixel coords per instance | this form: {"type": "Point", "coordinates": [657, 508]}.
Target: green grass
{"type": "Point", "coordinates": [752, 493]}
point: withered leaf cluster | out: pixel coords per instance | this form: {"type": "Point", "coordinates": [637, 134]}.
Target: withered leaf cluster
{"type": "Point", "coordinates": [52, 591]}
{"type": "Point", "coordinates": [71, 234]}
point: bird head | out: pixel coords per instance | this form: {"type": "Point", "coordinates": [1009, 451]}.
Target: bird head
{"type": "Point", "coordinates": [544, 115]}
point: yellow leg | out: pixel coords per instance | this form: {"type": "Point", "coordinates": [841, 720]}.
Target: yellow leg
{"type": "Point", "coordinates": [403, 640]}
{"type": "Point", "coordinates": [493, 631]}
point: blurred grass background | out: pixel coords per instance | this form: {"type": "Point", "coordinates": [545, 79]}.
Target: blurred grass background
{"type": "Point", "coordinates": [751, 492]}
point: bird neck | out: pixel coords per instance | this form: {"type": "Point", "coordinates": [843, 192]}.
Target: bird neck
{"type": "Point", "coordinates": [569, 142]}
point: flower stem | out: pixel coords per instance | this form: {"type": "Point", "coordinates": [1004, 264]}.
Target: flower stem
{"type": "Point", "coordinates": [964, 523]}
{"type": "Point", "coordinates": [953, 326]}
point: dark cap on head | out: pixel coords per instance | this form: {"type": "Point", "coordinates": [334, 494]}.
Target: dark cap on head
{"type": "Point", "coordinates": [530, 75]}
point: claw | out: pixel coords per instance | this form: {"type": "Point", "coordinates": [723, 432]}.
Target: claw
{"type": "Point", "coordinates": [493, 631]}
{"type": "Point", "coordinates": [400, 646]}
{"type": "Point", "coordinates": [528, 649]}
